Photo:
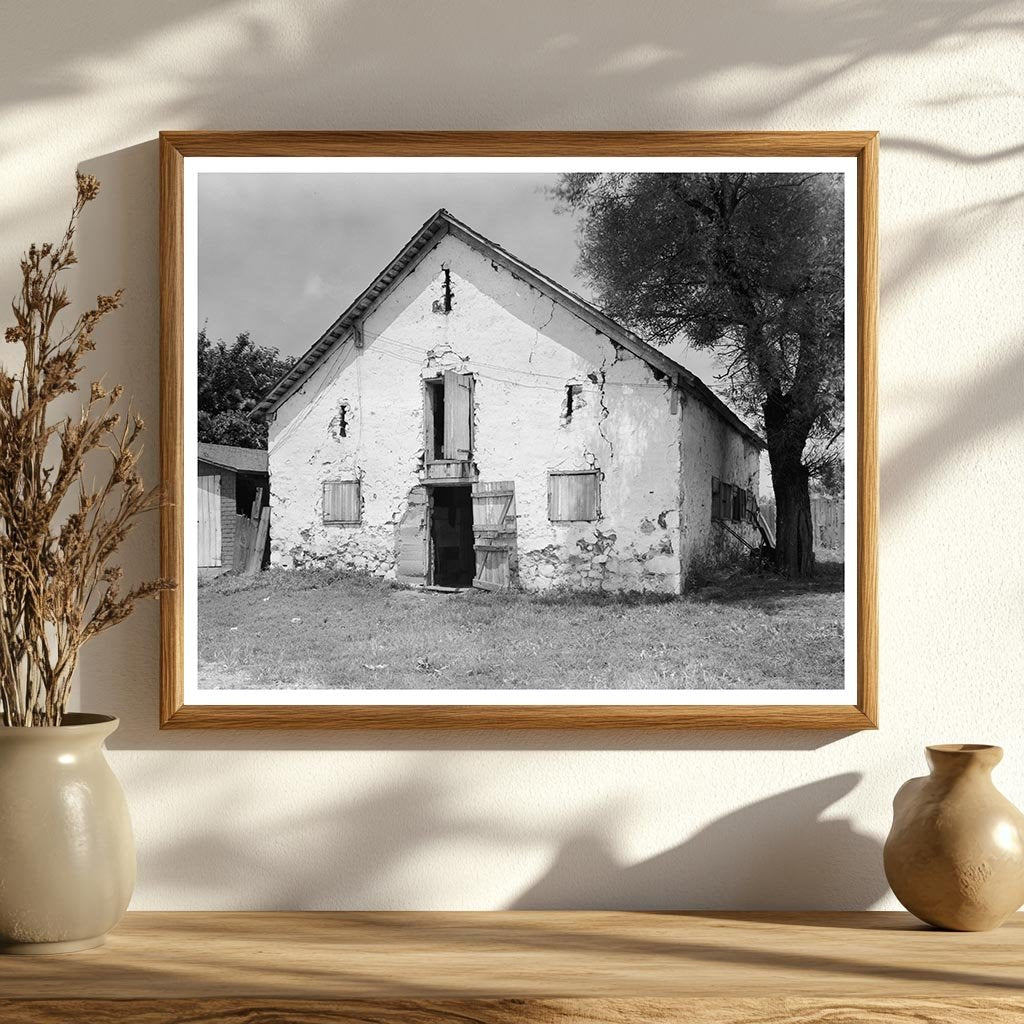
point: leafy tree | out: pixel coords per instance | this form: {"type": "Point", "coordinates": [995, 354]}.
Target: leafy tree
{"type": "Point", "coordinates": [232, 379]}
{"type": "Point", "coordinates": [749, 266]}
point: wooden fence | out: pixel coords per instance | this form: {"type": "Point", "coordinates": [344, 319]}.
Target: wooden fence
{"type": "Point", "coordinates": [828, 522]}
{"type": "Point", "coordinates": [828, 519]}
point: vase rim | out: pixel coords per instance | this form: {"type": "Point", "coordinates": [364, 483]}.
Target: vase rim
{"type": "Point", "coordinates": [70, 721]}
{"type": "Point", "coordinates": [962, 748]}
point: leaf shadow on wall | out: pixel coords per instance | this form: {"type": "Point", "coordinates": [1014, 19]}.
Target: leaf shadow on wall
{"type": "Point", "coordinates": [529, 50]}
{"type": "Point", "coordinates": [977, 409]}
{"type": "Point", "coordinates": [201, 63]}
{"type": "Point", "coordinates": [780, 852]}
{"type": "Point", "coordinates": [389, 847]}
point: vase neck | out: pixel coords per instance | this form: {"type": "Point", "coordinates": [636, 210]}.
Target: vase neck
{"type": "Point", "coordinates": [950, 760]}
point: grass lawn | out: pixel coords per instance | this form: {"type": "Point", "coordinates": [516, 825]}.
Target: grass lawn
{"type": "Point", "coordinates": [320, 629]}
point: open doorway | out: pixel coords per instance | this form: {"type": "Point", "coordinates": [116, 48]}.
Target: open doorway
{"type": "Point", "coordinates": [452, 558]}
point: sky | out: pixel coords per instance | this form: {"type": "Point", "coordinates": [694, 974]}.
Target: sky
{"type": "Point", "coordinates": [282, 255]}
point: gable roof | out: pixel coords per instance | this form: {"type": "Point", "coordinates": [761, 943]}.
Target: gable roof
{"type": "Point", "coordinates": [443, 223]}
{"type": "Point", "coordinates": [228, 456]}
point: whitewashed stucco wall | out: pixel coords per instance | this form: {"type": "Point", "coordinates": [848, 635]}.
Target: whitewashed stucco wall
{"type": "Point", "coordinates": [567, 819]}
{"type": "Point", "coordinates": [522, 350]}
{"type": "Point", "coordinates": [713, 449]}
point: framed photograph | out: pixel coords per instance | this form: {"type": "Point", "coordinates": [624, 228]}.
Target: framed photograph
{"type": "Point", "coordinates": [519, 430]}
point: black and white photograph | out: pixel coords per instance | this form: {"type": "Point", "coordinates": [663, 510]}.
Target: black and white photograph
{"type": "Point", "coordinates": [527, 430]}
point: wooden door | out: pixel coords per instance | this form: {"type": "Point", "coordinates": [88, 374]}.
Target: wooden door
{"type": "Point", "coordinates": [411, 540]}
{"type": "Point", "coordinates": [494, 534]}
{"type": "Point", "coordinates": [458, 416]}
{"type": "Point", "coordinates": [208, 515]}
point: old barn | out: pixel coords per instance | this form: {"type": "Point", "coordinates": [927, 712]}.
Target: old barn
{"type": "Point", "coordinates": [469, 421]}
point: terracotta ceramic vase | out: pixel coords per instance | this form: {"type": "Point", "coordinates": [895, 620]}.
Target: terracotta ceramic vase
{"type": "Point", "coordinates": [67, 859]}
{"type": "Point", "coordinates": [955, 854]}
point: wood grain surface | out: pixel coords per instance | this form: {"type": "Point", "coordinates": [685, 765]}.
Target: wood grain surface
{"type": "Point", "coordinates": [175, 147]}
{"type": "Point", "coordinates": [514, 1011]}
{"type": "Point", "coordinates": [524, 966]}
{"type": "Point", "coordinates": [527, 955]}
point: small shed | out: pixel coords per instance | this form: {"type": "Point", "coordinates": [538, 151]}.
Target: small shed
{"type": "Point", "coordinates": [234, 488]}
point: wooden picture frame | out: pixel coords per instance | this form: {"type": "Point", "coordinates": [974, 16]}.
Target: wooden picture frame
{"type": "Point", "coordinates": [177, 147]}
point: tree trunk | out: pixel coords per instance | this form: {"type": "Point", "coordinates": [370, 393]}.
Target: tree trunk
{"type": "Point", "coordinates": [786, 435]}
{"type": "Point", "coordinates": [794, 537]}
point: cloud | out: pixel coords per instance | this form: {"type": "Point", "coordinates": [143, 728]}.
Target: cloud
{"type": "Point", "coordinates": [315, 287]}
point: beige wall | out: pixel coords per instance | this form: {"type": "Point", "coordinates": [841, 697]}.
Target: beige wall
{"type": "Point", "coordinates": [496, 820]}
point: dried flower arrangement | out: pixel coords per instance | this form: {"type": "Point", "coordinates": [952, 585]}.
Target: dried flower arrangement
{"type": "Point", "coordinates": [58, 586]}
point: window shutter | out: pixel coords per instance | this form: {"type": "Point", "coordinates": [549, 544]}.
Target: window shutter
{"type": "Point", "coordinates": [341, 502]}
{"type": "Point", "coordinates": [716, 497]}
{"type": "Point", "coordinates": [573, 497]}
{"type": "Point", "coordinates": [458, 415]}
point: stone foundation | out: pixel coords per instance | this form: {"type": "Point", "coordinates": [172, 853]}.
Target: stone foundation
{"type": "Point", "coordinates": [359, 550]}
{"type": "Point", "coordinates": [599, 563]}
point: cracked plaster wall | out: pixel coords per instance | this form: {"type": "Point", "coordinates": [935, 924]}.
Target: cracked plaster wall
{"type": "Point", "coordinates": [523, 350]}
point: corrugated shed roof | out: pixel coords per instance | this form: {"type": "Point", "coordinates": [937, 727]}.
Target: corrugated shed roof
{"type": "Point", "coordinates": [227, 456]}
{"type": "Point", "coordinates": [443, 223]}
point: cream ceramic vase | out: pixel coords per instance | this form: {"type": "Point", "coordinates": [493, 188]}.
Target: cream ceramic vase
{"type": "Point", "coordinates": [67, 859]}
{"type": "Point", "coordinates": [955, 855]}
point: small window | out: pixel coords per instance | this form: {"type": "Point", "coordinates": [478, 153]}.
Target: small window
{"type": "Point", "coordinates": [739, 504]}
{"type": "Point", "coordinates": [342, 502]}
{"type": "Point", "coordinates": [574, 497]}
{"type": "Point", "coordinates": [724, 498]}
{"type": "Point", "coordinates": [728, 501]}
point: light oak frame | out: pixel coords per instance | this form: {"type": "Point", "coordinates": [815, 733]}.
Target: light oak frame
{"type": "Point", "coordinates": [176, 146]}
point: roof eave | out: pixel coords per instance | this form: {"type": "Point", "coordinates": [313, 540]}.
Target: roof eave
{"type": "Point", "coordinates": [428, 235]}
{"type": "Point", "coordinates": [432, 231]}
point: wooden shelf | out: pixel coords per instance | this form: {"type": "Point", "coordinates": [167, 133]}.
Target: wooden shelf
{"type": "Point", "coordinates": [501, 968]}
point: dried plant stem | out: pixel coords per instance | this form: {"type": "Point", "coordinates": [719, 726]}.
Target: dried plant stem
{"type": "Point", "coordinates": [58, 585]}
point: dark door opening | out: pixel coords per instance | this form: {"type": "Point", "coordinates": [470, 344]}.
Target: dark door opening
{"type": "Point", "coordinates": [433, 393]}
{"type": "Point", "coordinates": [452, 558]}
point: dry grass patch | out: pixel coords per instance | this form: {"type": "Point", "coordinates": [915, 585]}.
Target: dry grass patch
{"type": "Point", "coordinates": [318, 629]}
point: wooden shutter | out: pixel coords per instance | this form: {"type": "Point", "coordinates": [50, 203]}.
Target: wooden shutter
{"type": "Point", "coordinates": [573, 497]}
{"type": "Point", "coordinates": [208, 509]}
{"type": "Point", "coordinates": [458, 415]}
{"type": "Point", "coordinates": [716, 497]}
{"type": "Point", "coordinates": [739, 503]}
{"type": "Point", "coordinates": [341, 502]}
{"type": "Point", "coordinates": [725, 506]}
{"type": "Point", "coordinates": [494, 534]}
{"type": "Point", "coordinates": [411, 540]}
